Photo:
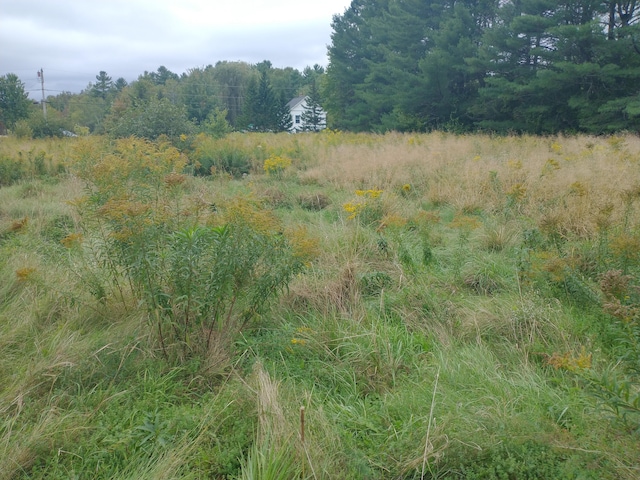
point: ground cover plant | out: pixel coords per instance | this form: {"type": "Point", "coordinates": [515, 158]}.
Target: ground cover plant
{"type": "Point", "coordinates": [326, 305]}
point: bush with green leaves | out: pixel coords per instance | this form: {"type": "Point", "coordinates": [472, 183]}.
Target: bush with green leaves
{"type": "Point", "coordinates": [216, 123]}
{"type": "Point", "coordinates": [22, 129]}
{"type": "Point", "coordinates": [11, 170]}
{"type": "Point", "coordinates": [40, 127]}
{"type": "Point", "coordinates": [202, 275]}
{"type": "Point", "coordinates": [214, 155]}
{"type": "Point", "coordinates": [205, 280]}
{"type": "Point", "coordinates": [151, 120]}
{"type": "Point", "coordinates": [528, 460]}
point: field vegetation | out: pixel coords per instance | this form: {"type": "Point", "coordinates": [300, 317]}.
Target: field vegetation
{"type": "Point", "coordinates": [320, 306]}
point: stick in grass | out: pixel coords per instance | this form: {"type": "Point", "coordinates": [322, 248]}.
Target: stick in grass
{"type": "Point", "coordinates": [426, 442]}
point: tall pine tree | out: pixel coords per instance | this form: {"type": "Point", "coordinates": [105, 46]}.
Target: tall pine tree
{"type": "Point", "coordinates": [539, 66]}
{"type": "Point", "coordinates": [263, 111]}
{"type": "Point", "coordinates": [352, 51]}
{"type": "Point", "coordinates": [313, 116]}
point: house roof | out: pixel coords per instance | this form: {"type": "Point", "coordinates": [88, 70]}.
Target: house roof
{"type": "Point", "coordinates": [295, 101]}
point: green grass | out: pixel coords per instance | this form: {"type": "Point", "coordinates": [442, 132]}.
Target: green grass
{"type": "Point", "coordinates": [456, 331]}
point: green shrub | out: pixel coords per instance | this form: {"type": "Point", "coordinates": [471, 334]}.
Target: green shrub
{"type": "Point", "coordinates": [619, 395]}
{"type": "Point", "coordinates": [523, 461]}
{"type": "Point", "coordinates": [373, 283]}
{"type": "Point", "coordinates": [216, 123]}
{"type": "Point", "coordinates": [22, 129]}
{"type": "Point", "coordinates": [221, 155]}
{"type": "Point", "coordinates": [199, 281]}
{"type": "Point", "coordinates": [52, 126]}
{"type": "Point", "coordinates": [10, 170]}
{"type": "Point", "coordinates": [151, 120]}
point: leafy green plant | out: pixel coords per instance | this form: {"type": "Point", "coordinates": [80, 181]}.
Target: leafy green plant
{"type": "Point", "coordinates": [22, 129]}
{"type": "Point", "coordinates": [367, 209]}
{"type": "Point", "coordinates": [151, 120]}
{"type": "Point", "coordinates": [216, 279]}
{"type": "Point", "coordinates": [197, 280]}
{"type": "Point", "coordinates": [374, 282]}
{"type": "Point", "coordinates": [152, 433]}
{"type": "Point", "coordinates": [222, 155]}
{"type": "Point", "coordinates": [619, 394]}
{"type": "Point", "coordinates": [52, 126]}
{"type": "Point", "coordinates": [11, 170]}
{"type": "Point", "coordinates": [527, 461]}
{"type": "Point", "coordinates": [216, 123]}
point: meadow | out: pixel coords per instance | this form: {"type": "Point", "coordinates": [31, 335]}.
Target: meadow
{"type": "Point", "coordinates": [320, 306]}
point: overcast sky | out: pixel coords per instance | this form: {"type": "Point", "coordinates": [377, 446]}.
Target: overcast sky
{"type": "Point", "coordinates": [73, 40]}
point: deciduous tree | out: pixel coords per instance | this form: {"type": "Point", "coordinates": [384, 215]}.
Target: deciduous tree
{"type": "Point", "coordinates": [150, 120]}
{"type": "Point", "coordinates": [14, 101]}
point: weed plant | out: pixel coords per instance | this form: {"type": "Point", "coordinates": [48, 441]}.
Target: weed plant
{"type": "Point", "coordinates": [201, 276]}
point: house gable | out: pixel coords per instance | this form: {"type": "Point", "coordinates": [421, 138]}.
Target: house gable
{"type": "Point", "coordinates": [296, 107]}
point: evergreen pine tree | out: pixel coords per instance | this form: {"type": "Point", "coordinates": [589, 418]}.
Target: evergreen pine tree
{"type": "Point", "coordinates": [263, 111]}
{"type": "Point", "coordinates": [313, 119]}
{"type": "Point", "coordinates": [104, 85]}
{"type": "Point", "coordinates": [285, 122]}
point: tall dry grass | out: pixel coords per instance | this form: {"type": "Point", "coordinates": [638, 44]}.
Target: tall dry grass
{"type": "Point", "coordinates": [569, 181]}
{"type": "Point", "coordinates": [56, 151]}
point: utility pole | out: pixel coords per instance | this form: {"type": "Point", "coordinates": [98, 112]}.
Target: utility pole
{"type": "Point", "coordinates": [44, 104]}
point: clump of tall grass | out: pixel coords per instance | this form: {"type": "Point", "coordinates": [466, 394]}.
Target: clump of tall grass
{"type": "Point", "coordinates": [278, 450]}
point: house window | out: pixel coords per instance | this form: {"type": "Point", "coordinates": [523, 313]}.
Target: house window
{"type": "Point", "coordinates": [297, 119]}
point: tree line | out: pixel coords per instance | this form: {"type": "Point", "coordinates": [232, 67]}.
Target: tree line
{"type": "Point", "coordinates": [215, 99]}
{"type": "Point", "coordinates": [538, 66]}
{"type": "Point", "coordinates": [506, 66]}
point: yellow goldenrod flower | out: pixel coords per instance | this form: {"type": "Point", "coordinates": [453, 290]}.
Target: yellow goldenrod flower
{"type": "Point", "coordinates": [276, 164]}
{"type": "Point", "coordinates": [24, 274]}
{"type": "Point", "coordinates": [71, 240]}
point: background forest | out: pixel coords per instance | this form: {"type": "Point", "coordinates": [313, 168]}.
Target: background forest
{"type": "Point", "coordinates": [535, 66]}
{"type": "Point", "coordinates": [525, 66]}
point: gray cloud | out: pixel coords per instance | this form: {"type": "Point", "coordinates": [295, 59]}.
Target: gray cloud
{"type": "Point", "coordinates": [72, 41]}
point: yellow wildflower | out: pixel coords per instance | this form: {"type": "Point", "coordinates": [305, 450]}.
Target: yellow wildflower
{"type": "Point", "coordinates": [24, 274]}
{"type": "Point", "coordinates": [71, 240]}
{"type": "Point", "coordinates": [371, 193]}
{"type": "Point", "coordinates": [353, 208]}
{"type": "Point", "coordinates": [276, 164]}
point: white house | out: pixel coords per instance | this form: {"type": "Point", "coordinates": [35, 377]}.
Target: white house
{"type": "Point", "coordinates": [296, 107]}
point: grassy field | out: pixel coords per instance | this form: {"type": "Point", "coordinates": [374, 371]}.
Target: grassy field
{"type": "Point", "coordinates": [331, 305]}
